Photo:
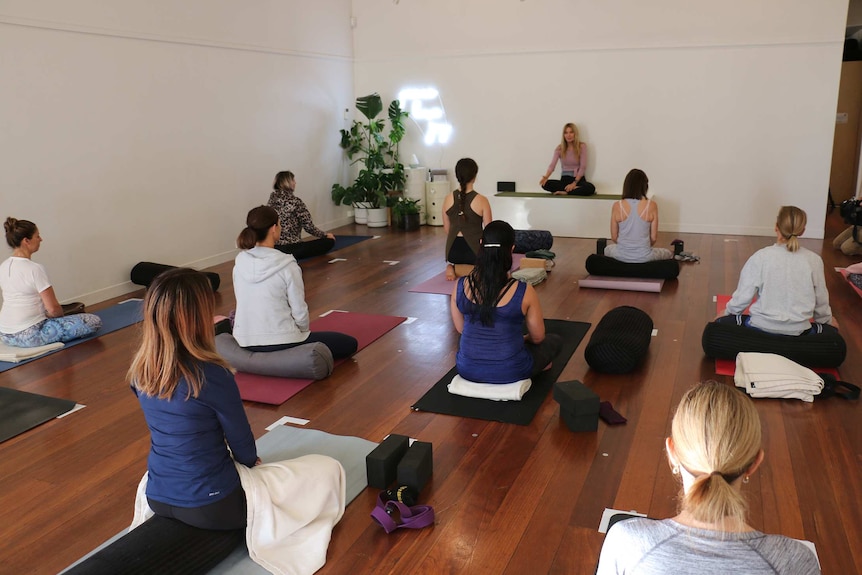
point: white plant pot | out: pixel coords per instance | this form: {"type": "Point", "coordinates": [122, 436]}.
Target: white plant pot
{"type": "Point", "coordinates": [360, 213]}
{"type": "Point", "coordinates": [378, 217]}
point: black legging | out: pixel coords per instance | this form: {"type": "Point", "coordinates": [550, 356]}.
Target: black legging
{"type": "Point", "coordinates": [460, 252]}
{"type": "Point", "coordinates": [225, 514]}
{"type": "Point", "coordinates": [543, 353]}
{"type": "Point", "coordinates": [309, 249]}
{"type": "Point", "coordinates": [584, 187]}
{"type": "Point", "coordinates": [340, 344]}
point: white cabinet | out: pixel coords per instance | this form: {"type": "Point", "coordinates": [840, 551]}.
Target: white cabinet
{"type": "Point", "coordinates": [435, 194]}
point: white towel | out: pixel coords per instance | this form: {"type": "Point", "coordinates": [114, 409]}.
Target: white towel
{"type": "Point", "coordinates": [771, 375]}
{"type": "Point", "coordinates": [16, 354]}
{"type": "Point", "coordinates": [496, 391]}
{"type": "Point", "coordinates": [293, 506]}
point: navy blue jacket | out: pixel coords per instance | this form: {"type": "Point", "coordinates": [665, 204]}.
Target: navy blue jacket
{"type": "Point", "coordinates": [189, 464]}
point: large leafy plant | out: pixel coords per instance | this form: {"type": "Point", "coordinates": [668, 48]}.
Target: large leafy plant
{"type": "Point", "coordinates": [369, 144]}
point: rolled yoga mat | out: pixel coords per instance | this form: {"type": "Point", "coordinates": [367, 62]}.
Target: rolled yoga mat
{"type": "Point", "coordinates": [144, 273]}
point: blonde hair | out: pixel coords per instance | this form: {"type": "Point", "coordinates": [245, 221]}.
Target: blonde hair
{"type": "Point", "coordinates": [178, 335]}
{"type": "Point", "coordinates": [791, 223]}
{"type": "Point", "coordinates": [716, 438]}
{"type": "Point", "coordinates": [576, 143]}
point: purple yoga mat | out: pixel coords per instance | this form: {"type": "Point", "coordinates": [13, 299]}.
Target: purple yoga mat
{"type": "Point", "coordinates": [366, 328]}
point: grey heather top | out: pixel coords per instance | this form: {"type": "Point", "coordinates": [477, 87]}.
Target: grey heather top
{"type": "Point", "coordinates": [643, 546]}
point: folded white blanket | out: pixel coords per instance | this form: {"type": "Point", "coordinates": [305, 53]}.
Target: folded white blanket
{"type": "Point", "coordinates": [496, 391]}
{"type": "Point", "coordinates": [16, 354]}
{"type": "Point", "coordinates": [293, 506]}
{"type": "Point", "coordinates": [771, 375]}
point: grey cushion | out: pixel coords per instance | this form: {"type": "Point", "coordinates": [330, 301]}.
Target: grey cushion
{"type": "Point", "coordinates": [307, 361]}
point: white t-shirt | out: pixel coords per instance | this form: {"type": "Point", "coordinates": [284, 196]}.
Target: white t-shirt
{"type": "Point", "coordinates": [21, 281]}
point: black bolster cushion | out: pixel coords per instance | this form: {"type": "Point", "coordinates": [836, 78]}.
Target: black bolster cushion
{"type": "Point", "coordinates": [164, 546]}
{"type": "Point", "coordinates": [604, 266]}
{"type": "Point", "coordinates": [531, 240]}
{"type": "Point", "coordinates": [306, 361]}
{"type": "Point", "coordinates": [620, 340]}
{"type": "Point", "coordinates": [144, 273]}
{"type": "Point", "coordinates": [724, 341]}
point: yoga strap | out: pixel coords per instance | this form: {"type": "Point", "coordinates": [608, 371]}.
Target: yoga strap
{"type": "Point", "coordinates": [386, 512]}
{"type": "Point", "coordinates": [834, 387]}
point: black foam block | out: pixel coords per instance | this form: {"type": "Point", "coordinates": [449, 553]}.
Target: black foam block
{"type": "Point", "coordinates": [724, 341]}
{"type": "Point", "coordinates": [416, 466]}
{"type": "Point", "coordinates": [620, 341]}
{"type": "Point", "coordinates": [381, 465]}
{"type": "Point", "coordinates": [163, 546]}
{"type": "Point", "coordinates": [599, 265]}
{"type": "Point", "coordinates": [579, 405]}
{"type": "Point", "coordinates": [144, 273]}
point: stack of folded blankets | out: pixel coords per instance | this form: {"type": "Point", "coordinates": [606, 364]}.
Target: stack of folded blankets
{"type": "Point", "coordinates": [770, 375]}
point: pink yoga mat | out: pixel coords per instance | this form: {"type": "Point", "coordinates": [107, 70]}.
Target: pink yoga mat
{"type": "Point", "coordinates": [627, 284]}
{"type": "Point", "coordinates": [366, 328]}
{"type": "Point", "coordinates": [440, 285]}
{"type": "Point", "coordinates": [728, 366]}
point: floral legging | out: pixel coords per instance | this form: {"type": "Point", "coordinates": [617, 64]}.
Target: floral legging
{"type": "Point", "coordinates": [54, 329]}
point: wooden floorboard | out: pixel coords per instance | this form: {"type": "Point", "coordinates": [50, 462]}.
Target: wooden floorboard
{"type": "Point", "coordinates": [509, 499]}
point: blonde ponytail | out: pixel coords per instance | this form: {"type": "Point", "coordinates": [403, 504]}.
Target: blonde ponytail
{"type": "Point", "coordinates": [716, 438]}
{"type": "Point", "coordinates": [791, 224]}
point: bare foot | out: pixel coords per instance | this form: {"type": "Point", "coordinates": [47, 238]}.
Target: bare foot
{"type": "Point", "coordinates": [561, 193]}
{"type": "Point", "coordinates": [450, 273]}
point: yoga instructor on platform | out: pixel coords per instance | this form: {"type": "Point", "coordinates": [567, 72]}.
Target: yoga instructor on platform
{"type": "Point", "coordinates": [572, 155]}
{"type": "Point", "coordinates": [31, 316]}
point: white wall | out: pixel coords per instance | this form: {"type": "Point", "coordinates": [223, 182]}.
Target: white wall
{"type": "Point", "coordinates": [728, 106]}
{"type": "Point", "coordinates": [135, 131]}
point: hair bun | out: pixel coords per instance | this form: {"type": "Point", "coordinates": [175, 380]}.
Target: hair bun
{"type": "Point", "coordinates": [10, 224]}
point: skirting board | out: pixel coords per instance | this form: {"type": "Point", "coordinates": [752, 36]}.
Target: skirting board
{"type": "Point", "coordinates": [627, 284]}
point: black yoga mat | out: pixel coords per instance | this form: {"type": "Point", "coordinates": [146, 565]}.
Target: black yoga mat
{"type": "Point", "coordinates": [20, 411]}
{"type": "Point", "coordinates": [342, 242]}
{"type": "Point", "coordinates": [439, 400]}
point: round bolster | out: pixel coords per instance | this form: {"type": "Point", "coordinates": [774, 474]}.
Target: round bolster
{"type": "Point", "coordinates": [620, 340]}
{"type": "Point", "coordinates": [531, 240]}
{"type": "Point", "coordinates": [306, 361]}
{"type": "Point", "coordinates": [724, 341]}
{"type": "Point", "coordinates": [604, 266]}
{"type": "Point", "coordinates": [144, 273]}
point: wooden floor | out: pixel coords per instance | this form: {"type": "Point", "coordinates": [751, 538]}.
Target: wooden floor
{"type": "Point", "coordinates": [509, 499]}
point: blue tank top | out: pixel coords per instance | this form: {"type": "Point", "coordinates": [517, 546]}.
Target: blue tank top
{"type": "Point", "coordinates": [493, 354]}
{"type": "Point", "coordinates": [633, 240]}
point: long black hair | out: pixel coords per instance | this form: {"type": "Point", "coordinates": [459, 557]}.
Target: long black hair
{"type": "Point", "coordinates": [491, 271]}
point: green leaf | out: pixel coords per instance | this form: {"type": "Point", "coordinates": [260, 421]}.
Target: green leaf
{"type": "Point", "coordinates": [370, 105]}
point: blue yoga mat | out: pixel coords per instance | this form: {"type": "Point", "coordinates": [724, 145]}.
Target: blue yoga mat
{"type": "Point", "coordinates": [115, 317]}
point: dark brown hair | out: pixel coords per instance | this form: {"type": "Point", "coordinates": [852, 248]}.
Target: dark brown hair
{"type": "Point", "coordinates": [635, 185]}
{"type": "Point", "coordinates": [465, 172]}
{"type": "Point", "coordinates": [257, 224]}
{"type": "Point", "coordinates": [17, 231]}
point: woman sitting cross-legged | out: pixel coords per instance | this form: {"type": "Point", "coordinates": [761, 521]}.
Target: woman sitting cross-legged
{"type": "Point", "coordinates": [31, 316]}
{"type": "Point", "coordinates": [572, 156]}
{"type": "Point", "coordinates": [489, 310]}
{"type": "Point", "coordinates": [295, 217]}
{"type": "Point", "coordinates": [203, 467]}
{"type": "Point", "coordinates": [271, 313]}
{"type": "Point", "coordinates": [714, 447]}
{"type": "Point", "coordinates": [634, 224]}
{"type": "Point", "coordinates": [788, 282]}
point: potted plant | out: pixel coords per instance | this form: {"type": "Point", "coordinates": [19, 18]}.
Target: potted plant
{"type": "Point", "coordinates": [405, 213]}
{"type": "Point", "coordinates": [368, 144]}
